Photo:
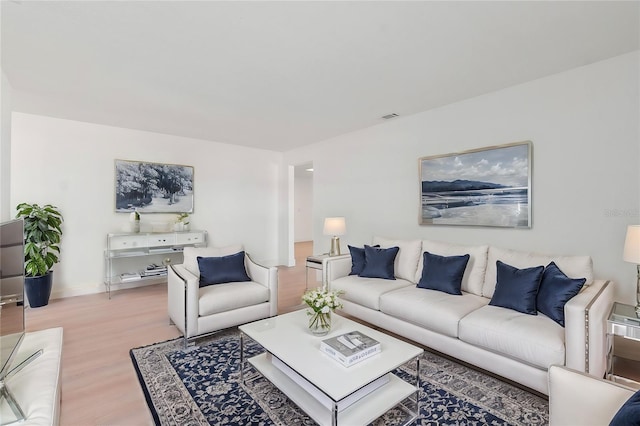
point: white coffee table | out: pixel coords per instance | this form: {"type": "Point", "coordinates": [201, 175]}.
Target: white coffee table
{"type": "Point", "coordinates": [310, 378]}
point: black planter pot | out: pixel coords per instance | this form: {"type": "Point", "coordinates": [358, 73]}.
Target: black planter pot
{"type": "Point", "coordinates": [38, 289]}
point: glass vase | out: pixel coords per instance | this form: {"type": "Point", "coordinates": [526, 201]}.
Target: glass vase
{"type": "Point", "coordinates": [319, 323]}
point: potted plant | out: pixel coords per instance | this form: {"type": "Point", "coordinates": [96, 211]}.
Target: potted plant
{"type": "Point", "coordinates": [182, 222]}
{"type": "Point", "coordinates": [42, 235]}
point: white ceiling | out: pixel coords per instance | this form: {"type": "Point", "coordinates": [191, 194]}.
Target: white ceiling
{"type": "Point", "coordinates": [278, 75]}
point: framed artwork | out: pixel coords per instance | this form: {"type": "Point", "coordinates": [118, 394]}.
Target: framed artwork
{"type": "Point", "coordinates": [481, 187]}
{"type": "Point", "coordinates": [153, 187]}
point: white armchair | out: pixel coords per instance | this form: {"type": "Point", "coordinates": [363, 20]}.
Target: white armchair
{"type": "Point", "coordinates": [199, 311]}
{"type": "Point", "coordinates": [576, 398]}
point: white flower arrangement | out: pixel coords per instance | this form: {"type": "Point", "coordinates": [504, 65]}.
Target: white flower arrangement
{"type": "Point", "coordinates": [322, 301]}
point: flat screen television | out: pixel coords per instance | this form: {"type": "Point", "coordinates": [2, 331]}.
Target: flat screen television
{"type": "Point", "coordinates": [12, 324]}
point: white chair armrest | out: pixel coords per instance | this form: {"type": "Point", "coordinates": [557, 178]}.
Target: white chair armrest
{"type": "Point", "coordinates": [337, 267]}
{"type": "Point", "coordinates": [586, 327]}
{"type": "Point", "coordinates": [268, 277]}
{"type": "Point", "coordinates": [179, 279]}
{"type": "Point", "coordinates": [576, 398]}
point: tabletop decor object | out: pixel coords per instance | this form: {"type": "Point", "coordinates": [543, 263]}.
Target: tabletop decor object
{"type": "Point", "coordinates": [334, 226]}
{"type": "Point", "coordinates": [321, 304]}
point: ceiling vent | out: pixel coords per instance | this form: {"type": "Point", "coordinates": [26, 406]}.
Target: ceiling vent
{"type": "Point", "coordinates": [390, 116]}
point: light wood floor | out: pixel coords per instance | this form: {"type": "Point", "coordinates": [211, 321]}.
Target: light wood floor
{"type": "Point", "coordinates": [99, 384]}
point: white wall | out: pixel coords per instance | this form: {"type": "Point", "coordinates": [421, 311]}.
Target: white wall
{"type": "Point", "coordinates": [5, 147]}
{"type": "Point", "coordinates": [71, 164]}
{"type": "Point", "coordinates": [586, 182]}
{"type": "Point", "coordinates": [303, 204]}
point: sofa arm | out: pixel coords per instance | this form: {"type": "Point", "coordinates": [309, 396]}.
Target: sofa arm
{"type": "Point", "coordinates": [586, 328]}
{"type": "Point", "coordinates": [337, 267]}
{"type": "Point", "coordinates": [181, 283]}
{"type": "Point", "coordinates": [576, 398]}
{"type": "Point", "coordinates": [268, 277]}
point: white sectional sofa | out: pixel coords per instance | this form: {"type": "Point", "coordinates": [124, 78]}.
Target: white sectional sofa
{"type": "Point", "coordinates": [515, 345]}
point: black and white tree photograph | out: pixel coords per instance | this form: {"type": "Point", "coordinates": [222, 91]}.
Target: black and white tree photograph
{"type": "Point", "coordinates": [153, 187]}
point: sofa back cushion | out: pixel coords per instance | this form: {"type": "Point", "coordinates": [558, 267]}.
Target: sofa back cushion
{"type": "Point", "coordinates": [473, 278]}
{"type": "Point", "coordinates": [572, 266]}
{"type": "Point", "coordinates": [191, 255]}
{"type": "Point", "coordinates": [409, 252]}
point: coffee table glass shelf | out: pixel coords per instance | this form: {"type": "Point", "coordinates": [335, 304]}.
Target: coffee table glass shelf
{"type": "Point", "coordinates": [327, 391]}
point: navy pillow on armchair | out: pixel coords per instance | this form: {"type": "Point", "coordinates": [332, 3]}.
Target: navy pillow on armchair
{"type": "Point", "coordinates": [629, 413]}
{"type": "Point", "coordinates": [378, 262]}
{"type": "Point", "coordinates": [517, 288]}
{"type": "Point", "coordinates": [225, 269]}
{"type": "Point", "coordinates": [443, 273]}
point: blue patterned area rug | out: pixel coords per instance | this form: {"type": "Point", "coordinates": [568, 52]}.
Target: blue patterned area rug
{"type": "Point", "coordinates": [201, 386]}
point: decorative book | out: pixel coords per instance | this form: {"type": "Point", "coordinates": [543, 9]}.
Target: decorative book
{"type": "Point", "coordinates": [350, 348]}
{"type": "Point", "coordinates": [129, 276]}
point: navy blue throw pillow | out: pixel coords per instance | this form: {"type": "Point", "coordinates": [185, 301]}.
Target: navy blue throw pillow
{"type": "Point", "coordinates": [555, 290]}
{"type": "Point", "coordinates": [443, 273]}
{"type": "Point", "coordinates": [357, 259]}
{"type": "Point", "coordinates": [629, 413]}
{"type": "Point", "coordinates": [517, 288]}
{"type": "Point", "coordinates": [378, 262]}
{"type": "Point", "coordinates": [225, 269]}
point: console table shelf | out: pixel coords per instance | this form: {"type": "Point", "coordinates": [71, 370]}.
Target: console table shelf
{"type": "Point", "coordinates": [132, 252]}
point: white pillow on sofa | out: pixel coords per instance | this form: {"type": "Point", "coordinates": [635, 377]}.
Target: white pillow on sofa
{"type": "Point", "coordinates": [191, 253]}
{"type": "Point", "coordinates": [406, 261]}
{"type": "Point", "coordinates": [572, 266]}
{"type": "Point", "coordinates": [473, 278]}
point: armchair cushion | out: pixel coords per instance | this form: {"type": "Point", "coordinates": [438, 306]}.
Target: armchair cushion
{"type": "Point", "coordinates": [229, 296]}
{"type": "Point", "coordinates": [223, 269]}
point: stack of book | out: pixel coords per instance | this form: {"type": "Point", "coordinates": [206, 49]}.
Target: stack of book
{"type": "Point", "coordinates": [154, 270]}
{"type": "Point", "coordinates": [350, 348]}
{"type": "Point", "coordinates": [129, 276]}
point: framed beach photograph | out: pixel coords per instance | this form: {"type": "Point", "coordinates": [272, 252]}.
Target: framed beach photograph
{"type": "Point", "coordinates": [153, 187]}
{"type": "Point", "coordinates": [482, 187]}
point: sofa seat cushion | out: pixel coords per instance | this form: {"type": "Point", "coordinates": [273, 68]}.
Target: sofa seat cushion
{"type": "Point", "coordinates": [366, 291]}
{"type": "Point", "coordinates": [228, 296]}
{"type": "Point", "coordinates": [533, 339]}
{"type": "Point", "coordinates": [431, 309]}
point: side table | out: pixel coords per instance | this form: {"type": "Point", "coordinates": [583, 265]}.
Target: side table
{"type": "Point", "coordinates": [318, 262]}
{"type": "Point", "coordinates": [623, 345]}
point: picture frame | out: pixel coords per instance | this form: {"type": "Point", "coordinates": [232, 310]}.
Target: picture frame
{"type": "Point", "coordinates": [153, 187]}
{"type": "Point", "coordinates": [488, 186]}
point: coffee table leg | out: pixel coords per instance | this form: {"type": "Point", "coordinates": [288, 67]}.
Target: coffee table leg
{"type": "Point", "coordinates": [334, 415]}
{"type": "Point", "coordinates": [242, 358]}
{"type": "Point", "coordinates": [417, 387]}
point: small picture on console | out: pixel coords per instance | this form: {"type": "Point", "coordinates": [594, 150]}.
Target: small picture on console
{"type": "Point", "coordinates": [153, 187]}
{"type": "Point", "coordinates": [481, 187]}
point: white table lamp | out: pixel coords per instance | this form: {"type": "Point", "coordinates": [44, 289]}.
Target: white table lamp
{"type": "Point", "coordinates": [632, 254]}
{"type": "Point", "coordinates": [334, 226]}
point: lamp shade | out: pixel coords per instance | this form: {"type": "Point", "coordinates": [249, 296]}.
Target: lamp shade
{"type": "Point", "coordinates": [632, 245]}
{"type": "Point", "coordinates": [334, 226]}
